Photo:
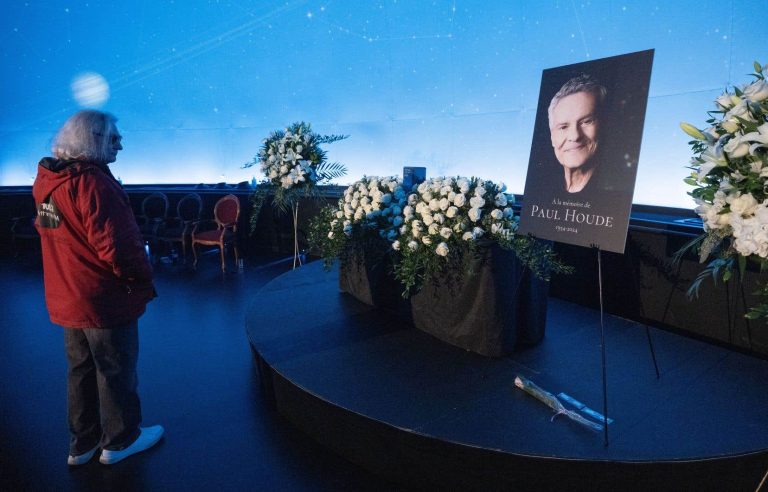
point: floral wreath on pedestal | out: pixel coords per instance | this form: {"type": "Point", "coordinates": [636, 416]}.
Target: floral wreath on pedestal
{"type": "Point", "coordinates": [730, 180]}
{"type": "Point", "coordinates": [294, 164]}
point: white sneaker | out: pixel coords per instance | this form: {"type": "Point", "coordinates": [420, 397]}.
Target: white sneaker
{"type": "Point", "coordinates": [148, 438]}
{"type": "Point", "coordinates": [82, 459]}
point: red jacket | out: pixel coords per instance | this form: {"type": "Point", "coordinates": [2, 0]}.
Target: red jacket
{"type": "Point", "coordinates": [96, 272]}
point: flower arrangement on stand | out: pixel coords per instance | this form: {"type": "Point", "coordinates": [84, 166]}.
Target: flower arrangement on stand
{"type": "Point", "coordinates": [294, 164]}
{"type": "Point", "coordinates": [445, 220]}
{"type": "Point", "coordinates": [358, 232]}
{"type": "Point", "coordinates": [454, 254]}
{"type": "Point", "coordinates": [730, 180]}
{"type": "Point", "coordinates": [472, 281]}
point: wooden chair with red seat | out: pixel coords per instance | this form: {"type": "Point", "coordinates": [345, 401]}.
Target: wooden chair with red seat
{"type": "Point", "coordinates": [226, 212]}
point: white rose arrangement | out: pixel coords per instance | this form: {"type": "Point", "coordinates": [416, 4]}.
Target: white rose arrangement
{"type": "Point", "coordinates": [445, 219]}
{"type": "Point", "coordinates": [730, 180]}
{"type": "Point", "coordinates": [366, 218]}
{"type": "Point", "coordinates": [293, 162]}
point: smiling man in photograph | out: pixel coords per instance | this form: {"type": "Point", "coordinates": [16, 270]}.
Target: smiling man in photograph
{"type": "Point", "coordinates": [574, 126]}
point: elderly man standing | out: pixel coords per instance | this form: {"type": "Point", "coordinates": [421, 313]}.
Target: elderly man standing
{"type": "Point", "coordinates": [98, 281]}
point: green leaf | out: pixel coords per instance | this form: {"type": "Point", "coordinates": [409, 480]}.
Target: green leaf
{"type": "Point", "coordinates": [758, 67]}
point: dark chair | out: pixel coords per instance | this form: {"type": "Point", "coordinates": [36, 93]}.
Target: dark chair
{"type": "Point", "coordinates": [22, 228]}
{"type": "Point", "coordinates": [226, 212]}
{"type": "Point", "coordinates": [154, 211]}
{"type": "Point", "coordinates": [179, 229]}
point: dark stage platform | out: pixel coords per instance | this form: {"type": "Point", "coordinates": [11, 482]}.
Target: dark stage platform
{"type": "Point", "coordinates": [423, 413]}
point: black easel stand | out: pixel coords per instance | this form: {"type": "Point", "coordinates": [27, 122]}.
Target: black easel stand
{"type": "Point", "coordinates": [635, 275]}
{"type": "Point", "coordinates": [602, 347]}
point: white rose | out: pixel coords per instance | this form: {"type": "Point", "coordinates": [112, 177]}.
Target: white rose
{"type": "Point", "coordinates": [426, 197]}
{"type": "Point", "coordinates": [415, 232]}
{"type": "Point", "coordinates": [497, 214]}
{"type": "Point", "coordinates": [451, 196]}
{"type": "Point", "coordinates": [480, 191]}
{"type": "Point", "coordinates": [359, 213]}
{"type": "Point", "coordinates": [396, 245]}
{"type": "Point", "coordinates": [476, 202]}
{"type": "Point", "coordinates": [744, 205]}
{"type": "Point", "coordinates": [446, 232]}
{"type": "Point", "coordinates": [424, 186]}
{"type": "Point", "coordinates": [460, 200]}
{"type": "Point", "coordinates": [434, 205]}
{"type": "Point", "coordinates": [467, 236]}
{"type": "Point", "coordinates": [403, 229]}
{"type": "Point", "coordinates": [339, 214]}
{"type": "Point", "coordinates": [463, 185]}
{"type": "Point", "coordinates": [474, 214]}
{"type": "Point", "coordinates": [427, 219]}
{"type": "Point", "coordinates": [442, 249]}
{"type": "Point", "coordinates": [756, 91]}
{"type": "Point", "coordinates": [412, 245]}
{"type": "Point", "coordinates": [426, 240]}
{"type": "Point", "coordinates": [433, 229]}
{"type": "Point", "coordinates": [451, 212]}
{"type": "Point", "coordinates": [439, 218]}
{"type": "Point", "coordinates": [444, 203]}
{"type": "Point", "coordinates": [445, 190]}
{"type": "Point", "coordinates": [330, 235]}
{"type": "Point", "coordinates": [412, 199]}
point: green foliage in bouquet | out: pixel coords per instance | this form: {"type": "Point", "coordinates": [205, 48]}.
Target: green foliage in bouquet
{"type": "Point", "coordinates": [446, 220]}
{"type": "Point", "coordinates": [730, 180]}
{"type": "Point", "coordinates": [294, 163]}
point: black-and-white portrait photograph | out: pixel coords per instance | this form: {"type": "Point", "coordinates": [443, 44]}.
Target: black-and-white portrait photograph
{"type": "Point", "coordinates": [585, 150]}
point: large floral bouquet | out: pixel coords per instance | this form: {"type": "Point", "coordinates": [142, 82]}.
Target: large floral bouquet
{"type": "Point", "coordinates": [730, 180]}
{"type": "Point", "coordinates": [366, 217]}
{"type": "Point", "coordinates": [293, 162]}
{"type": "Point", "coordinates": [444, 220]}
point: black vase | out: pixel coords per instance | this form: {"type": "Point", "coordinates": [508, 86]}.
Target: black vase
{"type": "Point", "coordinates": [491, 308]}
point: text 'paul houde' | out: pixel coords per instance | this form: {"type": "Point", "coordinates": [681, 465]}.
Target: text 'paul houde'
{"type": "Point", "coordinates": [573, 215]}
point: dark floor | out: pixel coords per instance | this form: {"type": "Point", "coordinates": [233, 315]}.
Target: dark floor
{"type": "Point", "coordinates": [196, 377]}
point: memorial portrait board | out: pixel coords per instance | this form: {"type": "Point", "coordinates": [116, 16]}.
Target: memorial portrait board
{"type": "Point", "coordinates": [585, 150]}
